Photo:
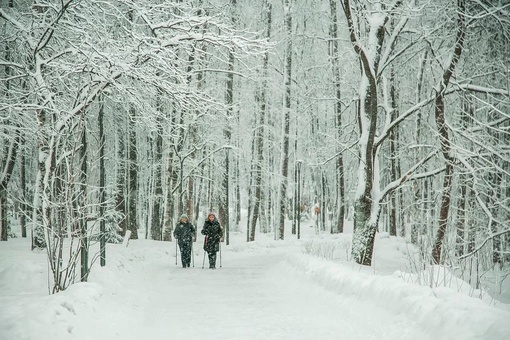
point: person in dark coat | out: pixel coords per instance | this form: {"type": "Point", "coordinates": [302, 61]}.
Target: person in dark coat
{"type": "Point", "coordinates": [185, 233]}
{"type": "Point", "coordinates": [213, 233]}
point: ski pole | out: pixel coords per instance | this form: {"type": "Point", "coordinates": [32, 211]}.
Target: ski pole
{"type": "Point", "coordinates": [220, 253]}
{"type": "Point", "coordinates": [176, 252]}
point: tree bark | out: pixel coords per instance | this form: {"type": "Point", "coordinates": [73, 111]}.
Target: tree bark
{"type": "Point", "coordinates": [102, 185]}
{"type": "Point", "coordinates": [156, 221]}
{"type": "Point", "coordinates": [132, 213]}
{"type": "Point", "coordinates": [260, 123]}
{"type": "Point", "coordinates": [394, 165]}
{"type": "Point", "coordinates": [286, 118]}
{"type": "Point", "coordinates": [10, 152]}
{"type": "Point", "coordinates": [439, 114]}
{"type": "Point", "coordinates": [366, 213]}
{"type": "Point", "coordinates": [120, 199]}
{"type": "Point", "coordinates": [340, 175]}
{"type": "Point", "coordinates": [84, 246]}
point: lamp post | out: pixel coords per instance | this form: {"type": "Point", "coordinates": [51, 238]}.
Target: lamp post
{"type": "Point", "coordinates": [227, 200]}
{"type": "Point", "coordinates": [298, 199]}
{"type": "Point", "coordinates": [295, 209]}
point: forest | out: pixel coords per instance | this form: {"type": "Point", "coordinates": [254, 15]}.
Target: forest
{"type": "Point", "coordinates": [118, 116]}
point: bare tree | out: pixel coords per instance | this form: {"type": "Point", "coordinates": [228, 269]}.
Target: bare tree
{"type": "Point", "coordinates": [286, 118]}
{"type": "Point", "coordinates": [443, 132]}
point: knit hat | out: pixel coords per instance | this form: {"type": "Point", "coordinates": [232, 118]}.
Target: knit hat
{"type": "Point", "coordinates": [184, 216]}
{"type": "Point", "coordinates": [211, 214]}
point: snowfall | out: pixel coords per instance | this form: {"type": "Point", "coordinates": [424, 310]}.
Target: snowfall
{"type": "Point", "coordinates": [267, 289]}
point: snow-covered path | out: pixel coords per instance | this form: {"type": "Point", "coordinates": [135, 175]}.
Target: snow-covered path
{"type": "Point", "coordinates": [250, 297]}
{"type": "Point", "coordinates": [265, 290]}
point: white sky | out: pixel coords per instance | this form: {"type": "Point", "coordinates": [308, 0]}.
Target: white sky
{"type": "Point", "coordinates": [265, 290]}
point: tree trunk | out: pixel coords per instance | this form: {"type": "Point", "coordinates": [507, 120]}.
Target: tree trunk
{"type": "Point", "coordinates": [10, 152]}
{"type": "Point", "coordinates": [340, 176]}
{"type": "Point", "coordinates": [171, 183]}
{"type": "Point", "coordinates": [259, 139]}
{"type": "Point", "coordinates": [224, 209]}
{"type": "Point", "coordinates": [132, 213]}
{"type": "Point", "coordinates": [84, 247]}
{"type": "Point", "coordinates": [418, 224]}
{"type": "Point", "coordinates": [23, 185]}
{"type": "Point", "coordinates": [444, 136]}
{"type": "Point", "coordinates": [102, 185]}
{"type": "Point", "coordinates": [461, 220]}
{"type": "Point", "coordinates": [286, 118]}
{"type": "Point", "coordinates": [366, 211]}
{"type": "Point", "coordinates": [120, 199]}
{"type": "Point", "coordinates": [156, 221]}
{"type": "Point", "coordinates": [394, 166]}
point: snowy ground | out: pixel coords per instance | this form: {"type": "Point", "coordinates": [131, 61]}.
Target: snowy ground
{"type": "Point", "coordinates": [265, 290]}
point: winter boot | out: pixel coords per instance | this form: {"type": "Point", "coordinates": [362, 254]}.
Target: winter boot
{"type": "Point", "coordinates": [212, 261]}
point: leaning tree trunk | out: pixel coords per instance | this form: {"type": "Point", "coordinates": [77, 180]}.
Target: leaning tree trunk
{"type": "Point", "coordinates": [444, 138]}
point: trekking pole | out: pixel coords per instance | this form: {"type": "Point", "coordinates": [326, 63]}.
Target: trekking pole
{"type": "Point", "coordinates": [192, 255]}
{"type": "Point", "coordinates": [205, 243]}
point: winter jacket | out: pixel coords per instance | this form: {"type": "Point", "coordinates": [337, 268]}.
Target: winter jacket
{"type": "Point", "coordinates": [213, 233]}
{"type": "Point", "coordinates": [185, 232]}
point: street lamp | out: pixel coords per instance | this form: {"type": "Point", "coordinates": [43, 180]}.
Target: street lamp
{"type": "Point", "coordinates": [298, 200]}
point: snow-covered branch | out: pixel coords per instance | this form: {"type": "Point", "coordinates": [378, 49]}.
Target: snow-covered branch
{"type": "Point", "coordinates": [358, 46]}
{"type": "Point", "coordinates": [483, 89]}
{"type": "Point", "coordinates": [10, 64]}
{"type": "Point", "coordinates": [13, 21]}
{"type": "Point", "coordinates": [392, 186]}
{"type": "Point", "coordinates": [402, 117]}
{"type": "Point", "coordinates": [385, 57]}
{"type": "Point", "coordinates": [484, 242]}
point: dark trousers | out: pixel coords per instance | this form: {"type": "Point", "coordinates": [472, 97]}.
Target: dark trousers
{"type": "Point", "coordinates": [185, 248]}
{"type": "Point", "coordinates": [212, 260]}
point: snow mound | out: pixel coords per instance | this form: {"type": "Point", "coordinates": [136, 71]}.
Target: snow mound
{"type": "Point", "coordinates": [27, 272]}
{"type": "Point", "coordinates": [441, 311]}
{"type": "Point", "coordinates": [54, 317]}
